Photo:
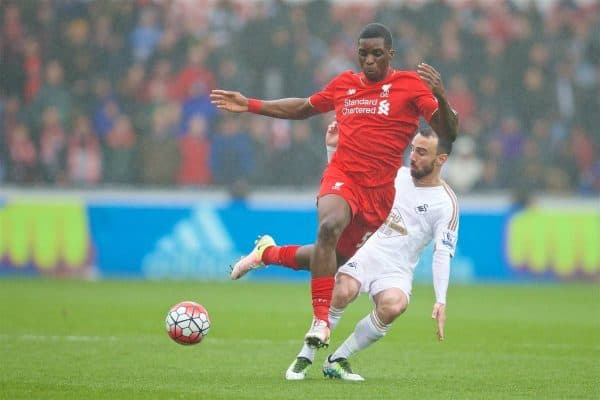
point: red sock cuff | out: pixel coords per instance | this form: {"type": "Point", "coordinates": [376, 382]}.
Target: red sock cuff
{"type": "Point", "coordinates": [322, 291]}
{"type": "Point", "coordinates": [281, 255]}
{"type": "Point", "coordinates": [323, 285]}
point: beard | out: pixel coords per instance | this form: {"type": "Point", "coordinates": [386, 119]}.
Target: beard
{"type": "Point", "coordinates": [419, 173]}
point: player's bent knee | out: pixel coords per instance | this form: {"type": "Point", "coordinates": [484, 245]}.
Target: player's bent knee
{"type": "Point", "coordinates": [345, 290]}
{"type": "Point", "coordinates": [390, 304]}
{"type": "Point", "coordinates": [330, 229]}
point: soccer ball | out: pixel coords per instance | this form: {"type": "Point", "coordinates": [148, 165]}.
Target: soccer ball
{"type": "Point", "coordinates": [187, 322]}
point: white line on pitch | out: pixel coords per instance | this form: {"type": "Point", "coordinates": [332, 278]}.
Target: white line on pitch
{"type": "Point", "coordinates": [83, 338]}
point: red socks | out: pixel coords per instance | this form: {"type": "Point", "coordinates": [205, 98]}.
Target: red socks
{"type": "Point", "coordinates": [281, 255]}
{"type": "Point", "coordinates": [322, 290]}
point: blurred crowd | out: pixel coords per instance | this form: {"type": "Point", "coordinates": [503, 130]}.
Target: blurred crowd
{"type": "Point", "coordinates": [115, 92]}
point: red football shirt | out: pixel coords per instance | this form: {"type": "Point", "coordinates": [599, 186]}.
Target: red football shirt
{"type": "Point", "coordinates": [376, 121]}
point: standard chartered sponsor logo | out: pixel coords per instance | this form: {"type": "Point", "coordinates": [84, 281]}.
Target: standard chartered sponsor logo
{"type": "Point", "coordinates": [360, 106]}
{"type": "Point", "coordinates": [48, 236]}
{"type": "Point", "coordinates": [366, 106]}
{"type": "Point", "coordinates": [563, 242]}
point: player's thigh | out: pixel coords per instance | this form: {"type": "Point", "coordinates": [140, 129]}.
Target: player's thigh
{"type": "Point", "coordinates": [334, 210]}
{"type": "Point", "coordinates": [390, 303]}
{"type": "Point", "coordinates": [371, 211]}
{"type": "Point", "coordinates": [337, 197]}
{"type": "Point", "coordinates": [345, 290]}
{"type": "Point", "coordinates": [374, 204]}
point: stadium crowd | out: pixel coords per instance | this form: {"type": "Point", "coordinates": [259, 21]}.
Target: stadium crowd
{"type": "Point", "coordinates": [115, 92]}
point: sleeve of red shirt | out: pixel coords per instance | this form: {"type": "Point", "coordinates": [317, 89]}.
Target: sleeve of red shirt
{"type": "Point", "coordinates": [323, 101]}
{"type": "Point", "coordinates": [424, 100]}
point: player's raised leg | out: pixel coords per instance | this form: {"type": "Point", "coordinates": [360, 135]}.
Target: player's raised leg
{"type": "Point", "coordinates": [266, 252]}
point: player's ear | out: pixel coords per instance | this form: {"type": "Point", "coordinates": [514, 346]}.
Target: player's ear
{"type": "Point", "coordinates": [441, 159]}
{"type": "Point", "coordinates": [392, 53]}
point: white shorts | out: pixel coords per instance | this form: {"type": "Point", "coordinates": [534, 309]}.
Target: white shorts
{"type": "Point", "coordinates": [377, 274]}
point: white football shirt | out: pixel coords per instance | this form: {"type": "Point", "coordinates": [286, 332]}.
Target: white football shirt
{"type": "Point", "coordinates": [418, 216]}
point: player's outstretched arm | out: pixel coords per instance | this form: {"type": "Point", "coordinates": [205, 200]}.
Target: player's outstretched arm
{"type": "Point", "coordinates": [445, 120]}
{"type": "Point", "coordinates": [440, 270]}
{"type": "Point", "coordinates": [289, 108]}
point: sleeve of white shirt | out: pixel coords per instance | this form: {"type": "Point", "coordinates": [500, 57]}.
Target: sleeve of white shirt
{"type": "Point", "coordinates": [445, 239]}
{"type": "Point", "coordinates": [440, 269]}
{"type": "Point", "coordinates": [330, 151]}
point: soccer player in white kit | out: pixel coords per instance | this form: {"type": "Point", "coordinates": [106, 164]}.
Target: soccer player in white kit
{"type": "Point", "coordinates": [425, 209]}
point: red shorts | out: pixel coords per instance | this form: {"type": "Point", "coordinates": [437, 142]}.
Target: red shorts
{"type": "Point", "coordinates": [370, 207]}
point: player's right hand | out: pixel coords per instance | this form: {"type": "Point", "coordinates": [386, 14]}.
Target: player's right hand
{"type": "Point", "coordinates": [439, 314]}
{"type": "Point", "coordinates": [229, 101]}
{"type": "Point", "coordinates": [331, 136]}
{"type": "Point", "coordinates": [432, 79]}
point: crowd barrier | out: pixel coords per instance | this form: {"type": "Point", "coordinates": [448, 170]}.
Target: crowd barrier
{"type": "Point", "coordinates": [197, 235]}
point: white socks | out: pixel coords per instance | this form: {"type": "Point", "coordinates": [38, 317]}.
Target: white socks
{"type": "Point", "coordinates": [368, 330]}
{"type": "Point", "coordinates": [334, 317]}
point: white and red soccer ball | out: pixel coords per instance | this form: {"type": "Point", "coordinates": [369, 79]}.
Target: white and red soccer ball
{"type": "Point", "coordinates": [187, 322]}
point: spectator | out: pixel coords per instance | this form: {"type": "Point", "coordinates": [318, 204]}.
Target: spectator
{"type": "Point", "coordinates": [464, 169]}
{"type": "Point", "coordinates": [170, 47]}
{"type": "Point", "coordinates": [110, 54]}
{"type": "Point", "coordinates": [84, 155]}
{"type": "Point", "coordinates": [584, 151]}
{"type": "Point", "coordinates": [145, 35]}
{"type": "Point", "coordinates": [259, 136]}
{"type": "Point", "coordinates": [160, 85]}
{"type": "Point", "coordinates": [461, 98]}
{"type": "Point", "coordinates": [11, 51]}
{"type": "Point", "coordinates": [194, 148]}
{"type": "Point", "coordinates": [536, 100]}
{"type": "Point", "coordinates": [231, 155]}
{"type": "Point", "coordinates": [107, 109]}
{"type": "Point", "coordinates": [230, 74]}
{"type": "Point", "coordinates": [22, 156]}
{"type": "Point", "coordinates": [197, 104]}
{"type": "Point", "coordinates": [278, 147]}
{"type": "Point", "coordinates": [194, 73]}
{"type": "Point", "coordinates": [78, 60]}
{"type": "Point", "coordinates": [32, 66]}
{"type": "Point", "coordinates": [120, 156]}
{"type": "Point", "coordinates": [305, 157]}
{"type": "Point", "coordinates": [53, 94]}
{"type": "Point", "coordinates": [159, 151]}
{"type": "Point", "coordinates": [52, 147]}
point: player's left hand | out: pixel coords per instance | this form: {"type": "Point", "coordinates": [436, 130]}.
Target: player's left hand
{"type": "Point", "coordinates": [439, 314]}
{"type": "Point", "coordinates": [331, 136]}
{"type": "Point", "coordinates": [432, 78]}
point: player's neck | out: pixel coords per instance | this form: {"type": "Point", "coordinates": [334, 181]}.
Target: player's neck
{"type": "Point", "coordinates": [432, 179]}
{"type": "Point", "coordinates": [366, 81]}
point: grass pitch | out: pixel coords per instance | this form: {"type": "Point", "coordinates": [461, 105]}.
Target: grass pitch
{"type": "Point", "coordinates": [106, 340]}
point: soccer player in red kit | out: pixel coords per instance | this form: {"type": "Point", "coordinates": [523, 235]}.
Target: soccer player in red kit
{"type": "Point", "coordinates": [378, 112]}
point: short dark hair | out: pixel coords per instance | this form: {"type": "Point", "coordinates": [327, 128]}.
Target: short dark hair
{"type": "Point", "coordinates": [444, 145]}
{"type": "Point", "coordinates": [377, 30]}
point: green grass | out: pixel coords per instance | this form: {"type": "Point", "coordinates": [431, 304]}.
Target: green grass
{"type": "Point", "coordinates": [106, 340]}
